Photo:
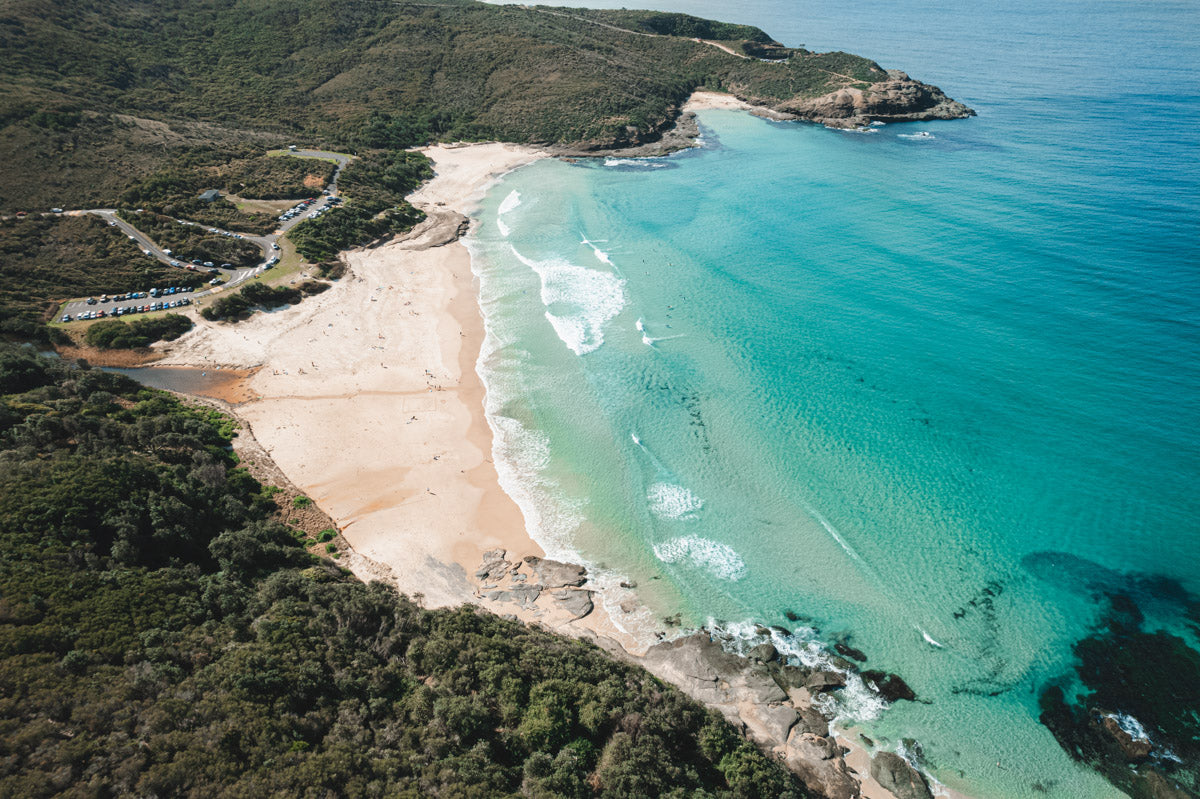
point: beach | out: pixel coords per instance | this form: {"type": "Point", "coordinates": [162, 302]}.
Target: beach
{"type": "Point", "coordinates": [367, 398]}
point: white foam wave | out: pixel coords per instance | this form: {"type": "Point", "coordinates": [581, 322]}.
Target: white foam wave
{"type": "Point", "coordinates": [717, 559]}
{"type": "Point", "coordinates": [671, 501]}
{"type": "Point", "coordinates": [510, 202]}
{"type": "Point", "coordinates": [923, 135]}
{"type": "Point", "coordinates": [929, 639]}
{"type": "Point", "coordinates": [641, 162]}
{"type": "Point", "coordinates": [1130, 725]}
{"type": "Point", "coordinates": [600, 254]}
{"type": "Point", "coordinates": [854, 703]}
{"type": "Point", "coordinates": [504, 229]}
{"type": "Point", "coordinates": [579, 301]}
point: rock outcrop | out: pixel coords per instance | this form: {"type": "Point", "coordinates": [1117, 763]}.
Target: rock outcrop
{"type": "Point", "coordinates": [577, 603]}
{"type": "Point", "coordinates": [898, 98]}
{"type": "Point", "coordinates": [553, 574]}
{"type": "Point", "coordinates": [890, 686]}
{"type": "Point", "coordinates": [896, 775]}
{"type": "Point", "coordinates": [821, 765]}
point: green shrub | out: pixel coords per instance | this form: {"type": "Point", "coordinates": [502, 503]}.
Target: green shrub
{"type": "Point", "coordinates": [116, 334]}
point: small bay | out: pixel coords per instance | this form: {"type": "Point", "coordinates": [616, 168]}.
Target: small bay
{"type": "Point", "coordinates": [932, 388]}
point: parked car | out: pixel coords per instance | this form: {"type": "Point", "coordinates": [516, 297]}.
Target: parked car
{"type": "Point", "coordinates": [56, 210]}
{"type": "Point", "coordinates": [66, 317]}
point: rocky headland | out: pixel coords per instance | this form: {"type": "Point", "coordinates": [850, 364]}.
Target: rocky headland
{"type": "Point", "coordinates": [784, 707]}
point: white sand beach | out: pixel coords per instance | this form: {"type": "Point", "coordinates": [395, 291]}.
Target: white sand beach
{"type": "Point", "coordinates": [366, 397]}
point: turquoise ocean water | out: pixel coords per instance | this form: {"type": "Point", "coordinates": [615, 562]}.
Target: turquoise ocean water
{"type": "Point", "coordinates": [926, 392]}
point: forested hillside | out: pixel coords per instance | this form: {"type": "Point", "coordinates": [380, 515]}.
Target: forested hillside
{"type": "Point", "coordinates": [82, 77]}
{"type": "Point", "coordinates": [163, 634]}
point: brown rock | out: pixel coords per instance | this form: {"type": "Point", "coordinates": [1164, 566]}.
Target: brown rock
{"type": "Point", "coordinates": [768, 724]}
{"type": "Point", "coordinates": [896, 98]}
{"type": "Point", "coordinates": [811, 721]}
{"type": "Point", "coordinates": [825, 680]}
{"type": "Point", "coordinates": [494, 566]}
{"type": "Point", "coordinates": [553, 574]}
{"type": "Point", "coordinates": [819, 764]}
{"type": "Point", "coordinates": [1133, 749]}
{"type": "Point", "coordinates": [577, 603]}
{"type": "Point", "coordinates": [764, 653]}
{"type": "Point", "coordinates": [896, 775]}
{"type": "Point", "coordinates": [794, 676]}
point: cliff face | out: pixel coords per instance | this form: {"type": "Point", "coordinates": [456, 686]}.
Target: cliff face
{"type": "Point", "coordinates": [898, 98]}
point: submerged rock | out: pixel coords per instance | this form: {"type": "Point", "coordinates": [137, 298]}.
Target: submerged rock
{"type": "Point", "coordinates": [890, 686]}
{"type": "Point", "coordinates": [896, 775]}
{"type": "Point", "coordinates": [843, 648]}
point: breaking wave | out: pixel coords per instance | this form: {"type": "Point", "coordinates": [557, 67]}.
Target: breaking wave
{"type": "Point", "coordinates": [510, 202]}
{"type": "Point", "coordinates": [671, 501]}
{"type": "Point", "coordinates": [579, 301]}
{"type": "Point", "coordinates": [717, 559]}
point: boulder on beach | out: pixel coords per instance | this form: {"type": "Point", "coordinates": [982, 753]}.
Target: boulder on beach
{"type": "Point", "coordinates": [895, 774]}
{"type": "Point", "coordinates": [820, 765]}
{"type": "Point", "coordinates": [577, 603]}
{"type": "Point", "coordinates": [553, 574]}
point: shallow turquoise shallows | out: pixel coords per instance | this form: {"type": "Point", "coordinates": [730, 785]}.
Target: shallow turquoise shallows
{"type": "Point", "coordinates": [919, 386]}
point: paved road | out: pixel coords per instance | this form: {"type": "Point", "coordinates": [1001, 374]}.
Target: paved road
{"type": "Point", "coordinates": [232, 277]}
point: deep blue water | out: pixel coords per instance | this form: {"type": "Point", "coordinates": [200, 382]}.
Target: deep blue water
{"type": "Point", "coordinates": [927, 392]}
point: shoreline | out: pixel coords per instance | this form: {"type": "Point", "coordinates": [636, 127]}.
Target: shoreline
{"type": "Point", "coordinates": [368, 399]}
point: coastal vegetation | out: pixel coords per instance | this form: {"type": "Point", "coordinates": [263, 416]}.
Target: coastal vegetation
{"type": "Point", "coordinates": [258, 296]}
{"type": "Point", "coordinates": [46, 259]}
{"type": "Point", "coordinates": [163, 633]}
{"type": "Point", "coordinates": [377, 183]}
{"type": "Point", "coordinates": [192, 242]}
{"type": "Point", "coordinates": [112, 334]}
{"type": "Point", "coordinates": [146, 105]}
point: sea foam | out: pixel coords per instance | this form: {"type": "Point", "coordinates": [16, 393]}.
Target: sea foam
{"type": "Point", "coordinates": [600, 254]}
{"type": "Point", "coordinates": [717, 559]}
{"type": "Point", "coordinates": [636, 162]}
{"type": "Point", "coordinates": [510, 202]}
{"type": "Point", "coordinates": [670, 501]}
{"type": "Point", "coordinates": [853, 703]}
{"type": "Point", "coordinates": [579, 301]}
